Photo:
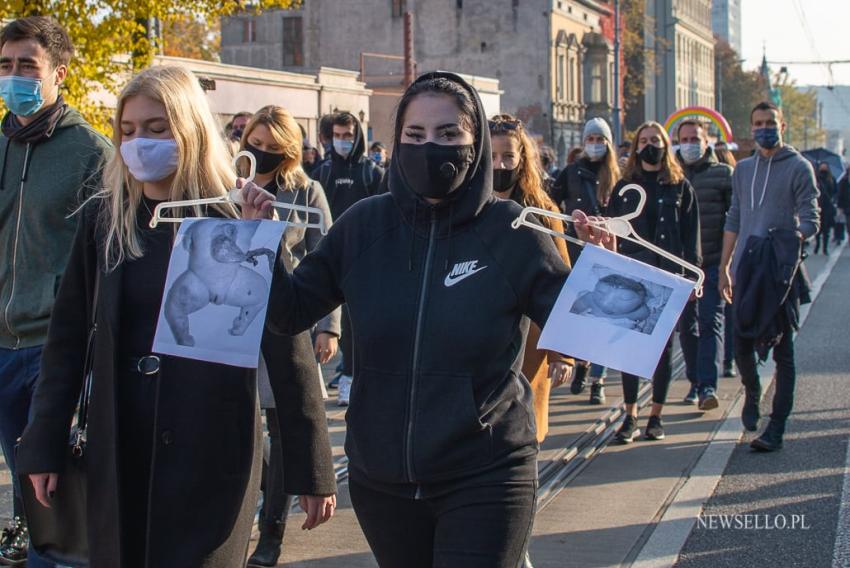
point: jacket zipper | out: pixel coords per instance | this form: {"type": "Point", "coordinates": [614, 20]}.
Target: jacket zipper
{"type": "Point", "coordinates": [429, 257]}
{"type": "Point", "coordinates": [15, 252]}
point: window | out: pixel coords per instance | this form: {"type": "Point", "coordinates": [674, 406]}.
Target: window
{"type": "Point", "coordinates": [249, 31]}
{"type": "Point", "coordinates": [596, 82]}
{"type": "Point", "coordinates": [571, 93]}
{"type": "Point", "coordinates": [293, 48]}
{"type": "Point", "coordinates": [459, 4]}
{"type": "Point", "coordinates": [399, 8]}
{"type": "Point", "coordinates": [562, 66]}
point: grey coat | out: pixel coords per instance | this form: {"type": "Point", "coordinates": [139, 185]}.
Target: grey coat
{"type": "Point", "coordinates": [298, 242]}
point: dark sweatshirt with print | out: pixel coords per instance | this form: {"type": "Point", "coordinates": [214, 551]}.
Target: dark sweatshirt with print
{"type": "Point", "coordinates": [436, 295]}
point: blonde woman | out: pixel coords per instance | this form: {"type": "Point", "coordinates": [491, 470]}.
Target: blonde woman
{"type": "Point", "coordinates": [586, 185]}
{"type": "Point", "coordinates": [173, 444]}
{"type": "Point", "coordinates": [517, 176]}
{"type": "Point", "coordinates": [670, 220]}
{"type": "Point", "coordinates": [272, 135]}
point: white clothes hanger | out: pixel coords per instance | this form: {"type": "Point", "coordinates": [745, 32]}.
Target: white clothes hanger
{"type": "Point", "coordinates": [235, 196]}
{"type": "Point", "coordinates": [619, 226]}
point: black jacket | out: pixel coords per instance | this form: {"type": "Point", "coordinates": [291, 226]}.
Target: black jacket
{"type": "Point", "coordinates": [576, 188]}
{"type": "Point", "coordinates": [436, 296]}
{"type": "Point", "coordinates": [207, 451]}
{"type": "Point", "coordinates": [826, 200]}
{"type": "Point", "coordinates": [348, 180]}
{"type": "Point", "coordinates": [677, 227]}
{"type": "Point", "coordinates": [769, 287]}
{"type": "Point", "coordinates": [842, 198]}
{"type": "Point", "coordinates": [712, 182]}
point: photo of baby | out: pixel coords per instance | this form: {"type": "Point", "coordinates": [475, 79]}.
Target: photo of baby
{"type": "Point", "coordinates": [624, 301]}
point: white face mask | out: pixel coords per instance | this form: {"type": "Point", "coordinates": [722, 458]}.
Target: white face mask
{"type": "Point", "coordinates": [691, 153]}
{"type": "Point", "coordinates": [150, 159]}
{"type": "Point", "coordinates": [595, 151]}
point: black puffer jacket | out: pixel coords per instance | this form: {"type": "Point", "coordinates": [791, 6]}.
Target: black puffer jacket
{"type": "Point", "coordinates": [712, 182]}
{"type": "Point", "coordinates": [436, 296]}
{"type": "Point", "coordinates": [576, 188]}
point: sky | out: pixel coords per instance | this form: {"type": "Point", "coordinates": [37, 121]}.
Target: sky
{"type": "Point", "coordinates": [777, 26]}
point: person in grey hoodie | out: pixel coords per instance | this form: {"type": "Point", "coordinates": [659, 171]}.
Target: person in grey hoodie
{"type": "Point", "coordinates": [50, 159]}
{"type": "Point", "coordinates": [773, 189]}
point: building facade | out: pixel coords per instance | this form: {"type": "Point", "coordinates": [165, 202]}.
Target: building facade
{"type": "Point", "coordinates": [553, 59]}
{"type": "Point", "coordinates": [726, 21]}
{"type": "Point", "coordinates": [679, 37]}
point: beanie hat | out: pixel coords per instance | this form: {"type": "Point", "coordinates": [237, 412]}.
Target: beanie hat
{"type": "Point", "coordinates": [598, 126]}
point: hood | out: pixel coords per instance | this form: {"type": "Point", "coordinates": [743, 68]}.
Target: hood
{"type": "Point", "coordinates": [72, 118]}
{"type": "Point", "coordinates": [466, 202]}
{"type": "Point", "coordinates": [359, 149]}
{"type": "Point", "coordinates": [784, 153]}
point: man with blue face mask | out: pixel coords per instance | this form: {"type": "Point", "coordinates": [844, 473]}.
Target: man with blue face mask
{"type": "Point", "coordinates": [774, 198]}
{"type": "Point", "coordinates": [347, 177]}
{"type": "Point", "coordinates": [701, 325]}
{"type": "Point", "coordinates": [50, 159]}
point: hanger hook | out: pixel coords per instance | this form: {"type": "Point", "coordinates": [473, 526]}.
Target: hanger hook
{"type": "Point", "coordinates": [641, 201]}
{"type": "Point", "coordinates": [251, 160]}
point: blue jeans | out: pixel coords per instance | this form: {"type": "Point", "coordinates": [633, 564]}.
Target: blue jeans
{"type": "Point", "coordinates": [701, 333]}
{"type": "Point", "coordinates": [597, 372]}
{"type": "Point", "coordinates": [18, 371]}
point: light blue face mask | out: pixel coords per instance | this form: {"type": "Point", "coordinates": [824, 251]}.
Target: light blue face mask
{"type": "Point", "coordinates": [22, 95]}
{"type": "Point", "coordinates": [691, 153]}
{"type": "Point", "coordinates": [343, 147]}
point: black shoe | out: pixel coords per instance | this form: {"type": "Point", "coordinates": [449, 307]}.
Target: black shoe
{"type": "Point", "coordinates": [708, 399]}
{"type": "Point", "coordinates": [597, 393]}
{"type": "Point", "coordinates": [628, 431]}
{"type": "Point", "coordinates": [771, 438]}
{"type": "Point", "coordinates": [750, 413]}
{"type": "Point", "coordinates": [334, 382]}
{"type": "Point", "coordinates": [693, 395]}
{"type": "Point", "coordinates": [729, 370]}
{"type": "Point", "coordinates": [267, 552]}
{"type": "Point", "coordinates": [579, 380]}
{"type": "Point", "coordinates": [654, 429]}
{"type": "Point", "coordinates": [13, 543]}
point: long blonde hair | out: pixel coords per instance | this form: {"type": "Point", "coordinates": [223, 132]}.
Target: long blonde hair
{"type": "Point", "coordinates": [203, 162]}
{"type": "Point", "coordinates": [530, 181]}
{"type": "Point", "coordinates": [671, 172]}
{"type": "Point", "coordinates": [286, 133]}
{"type": "Point", "coordinates": [609, 174]}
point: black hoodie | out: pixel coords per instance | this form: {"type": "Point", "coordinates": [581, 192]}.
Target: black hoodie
{"type": "Point", "coordinates": [436, 295]}
{"type": "Point", "coordinates": [348, 180]}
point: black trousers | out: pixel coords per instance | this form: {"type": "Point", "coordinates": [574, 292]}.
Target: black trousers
{"type": "Point", "coordinates": [660, 379]}
{"type": "Point", "coordinates": [474, 527]}
{"type": "Point", "coordinates": [786, 371]}
{"type": "Point", "coordinates": [345, 343]}
{"type": "Point", "coordinates": [276, 502]}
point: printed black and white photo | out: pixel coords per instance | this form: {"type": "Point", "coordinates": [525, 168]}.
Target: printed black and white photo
{"type": "Point", "coordinates": [217, 290]}
{"type": "Point", "coordinates": [625, 301]}
{"type": "Point", "coordinates": [615, 311]}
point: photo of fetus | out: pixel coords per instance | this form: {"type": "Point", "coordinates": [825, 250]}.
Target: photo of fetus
{"type": "Point", "coordinates": [217, 288]}
{"type": "Point", "coordinates": [624, 301]}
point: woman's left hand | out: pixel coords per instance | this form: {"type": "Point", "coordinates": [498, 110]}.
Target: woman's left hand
{"type": "Point", "coordinates": [326, 346]}
{"type": "Point", "coordinates": [560, 373]}
{"type": "Point", "coordinates": [256, 202]}
{"type": "Point", "coordinates": [319, 509]}
{"type": "Point", "coordinates": [586, 231]}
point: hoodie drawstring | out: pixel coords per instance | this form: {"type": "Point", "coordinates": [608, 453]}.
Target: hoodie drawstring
{"type": "Point", "coordinates": [753, 184]}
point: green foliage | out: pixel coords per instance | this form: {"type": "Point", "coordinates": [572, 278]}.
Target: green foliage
{"type": "Point", "coordinates": [740, 90]}
{"type": "Point", "coordinates": [112, 38]}
{"type": "Point", "coordinates": [800, 111]}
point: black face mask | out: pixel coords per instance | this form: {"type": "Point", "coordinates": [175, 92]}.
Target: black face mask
{"type": "Point", "coordinates": [266, 161]}
{"type": "Point", "coordinates": [652, 154]}
{"type": "Point", "coordinates": [434, 170]}
{"type": "Point", "coordinates": [503, 180]}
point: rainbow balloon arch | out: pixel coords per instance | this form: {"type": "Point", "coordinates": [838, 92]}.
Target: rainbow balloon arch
{"type": "Point", "coordinates": [705, 113]}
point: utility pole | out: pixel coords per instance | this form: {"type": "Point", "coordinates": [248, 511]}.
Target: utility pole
{"type": "Point", "coordinates": [617, 109]}
{"type": "Point", "coordinates": [720, 85]}
{"type": "Point", "coordinates": [409, 61]}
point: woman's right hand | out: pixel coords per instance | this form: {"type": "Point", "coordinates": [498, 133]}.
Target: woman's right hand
{"type": "Point", "coordinates": [587, 230]}
{"type": "Point", "coordinates": [45, 486]}
{"type": "Point", "coordinates": [256, 201]}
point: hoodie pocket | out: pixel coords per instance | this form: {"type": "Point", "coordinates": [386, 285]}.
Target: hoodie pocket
{"type": "Point", "coordinates": [375, 420]}
{"type": "Point", "coordinates": [449, 436]}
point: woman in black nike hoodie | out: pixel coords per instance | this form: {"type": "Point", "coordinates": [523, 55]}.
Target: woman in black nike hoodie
{"type": "Point", "coordinates": [441, 435]}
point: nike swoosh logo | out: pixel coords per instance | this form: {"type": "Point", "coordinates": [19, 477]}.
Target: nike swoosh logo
{"type": "Point", "coordinates": [451, 281]}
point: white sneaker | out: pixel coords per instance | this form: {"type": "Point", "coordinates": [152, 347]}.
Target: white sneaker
{"type": "Point", "coordinates": [344, 390]}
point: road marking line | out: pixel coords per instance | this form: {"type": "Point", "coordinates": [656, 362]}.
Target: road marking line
{"type": "Point", "coordinates": [841, 554]}
{"type": "Point", "coordinates": [663, 547]}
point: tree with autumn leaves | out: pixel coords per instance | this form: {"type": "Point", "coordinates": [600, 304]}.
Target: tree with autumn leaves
{"type": "Point", "coordinates": [113, 38]}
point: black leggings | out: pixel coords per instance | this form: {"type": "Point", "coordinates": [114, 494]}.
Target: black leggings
{"type": "Point", "coordinates": [660, 379]}
{"type": "Point", "coordinates": [276, 502]}
{"type": "Point", "coordinates": [474, 527]}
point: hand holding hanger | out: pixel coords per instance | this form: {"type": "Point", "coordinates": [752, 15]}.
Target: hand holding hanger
{"type": "Point", "coordinates": [619, 227]}
{"type": "Point", "coordinates": [259, 204]}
